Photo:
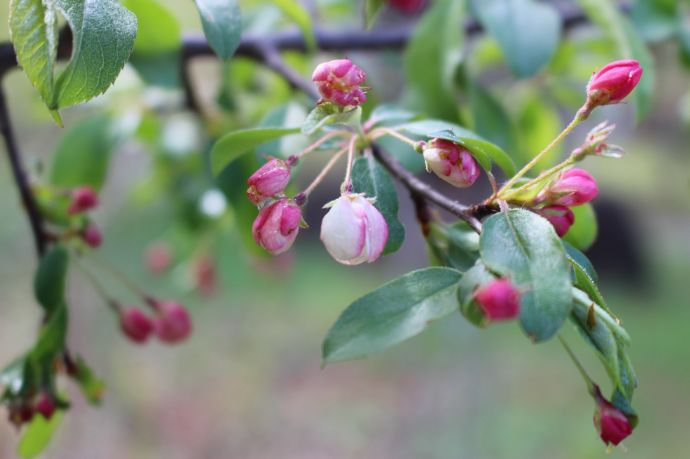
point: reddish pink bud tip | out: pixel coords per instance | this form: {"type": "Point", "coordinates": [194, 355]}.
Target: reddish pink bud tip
{"type": "Point", "coordinates": [173, 323]}
{"type": "Point", "coordinates": [158, 258]}
{"type": "Point", "coordinates": [205, 275]}
{"type": "Point", "coordinates": [561, 217]}
{"type": "Point", "coordinates": [45, 405]}
{"type": "Point", "coordinates": [573, 187]}
{"type": "Point", "coordinates": [92, 236]}
{"type": "Point", "coordinates": [407, 6]}
{"type": "Point", "coordinates": [613, 425]}
{"type": "Point", "coordinates": [353, 230]}
{"type": "Point", "coordinates": [83, 198]}
{"type": "Point", "coordinates": [499, 299]}
{"type": "Point", "coordinates": [339, 81]}
{"type": "Point", "coordinates": [269, 180]}
{"type": "Point", "coordinates": [276, 227]}
{"type": "Point", "coordinates": [451, 162]}
{"type": "Point", "coordinates": [135, 325]}
{"type": "Point", "coordinates": [612, 83]}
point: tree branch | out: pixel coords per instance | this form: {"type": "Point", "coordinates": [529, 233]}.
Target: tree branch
{"type": "Point", "coordinates": [20, 177]}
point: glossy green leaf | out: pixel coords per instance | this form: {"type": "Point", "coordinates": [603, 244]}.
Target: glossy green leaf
{"type": "Point", "coordinates": [523, 246]}
{"type": "Point", "coordinates": [300, 16]}
{"type": "Point", "coordinates": [235, 144]}
{"type": "Point", "coordinates": [51, 340]}
{"type": "Point", "coordinates": [601, 314]}
{"type": "Point", "coordinates": [370, 178]}
{"type": "Point", "coordinates": [584, 231]}
{"type": "Point", "coordinates": [34, 32]}
{"type": "Point", "coordinates": [327, 113]}
{"type": "Point", "coordinates": [391, 314]}
{"type": "Point", "coordinates": [528, 32]}
{"type": "Point", "coordinates": [630, 46]}
{"type": "Point", "coordinates": [454, 245]}
{"type": "Point", "coordinates": [577, 257]}
{"type": "Point", "coordinates": [158, 29]}
{"type": "Point", "coordinates": [432, 57]}
{"type": "Point", "coordinates": [372, 8]}
{"type": "Point", "coordinates": [103, 38]}
{"type": "Point", "coordinates": [222, 24]}
{"type": "Point", "coordinates": [49, 282]}
{"type": "Point", "coordinates": [473, 279]}
{"type": "Point", "coordinates": [83, 154]}
{"type": "Point", "coordinates": [37, 435]}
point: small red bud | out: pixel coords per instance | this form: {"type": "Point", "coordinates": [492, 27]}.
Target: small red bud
{"type": "Point", "coordinates": [83, 198]}
{"type": "Point", "coordinates": [612, 83]}
{"type": "Point", "coordinates": [451, 162]}
{"type": "Point", "coordinates": [172, 323]}
{"type": "Point", "coordinates": [574, 187]}
{"type": "Point", "coordinates": [269, 180]}
{"type": "Point", "coordinates": [45, 405]}
{"type": "Point", "coordinates": [135, 325]}
{"type": "Point", "coordinates": [92, 236]}
{"type": "Point", "coordinates": [339, 81]}
{"type": "Point", "coordinates": [407, 6]}
{"type": "Point", "coordinates": [613, 425]}
{"type": "Point", "coordinates": [561, 217]}
{"type": "Point", "coordinates": [499, 299]}
{"type": "Point", "coordinates": [158, 258]}
{"type": "Point", "coordinates": [276, 227]}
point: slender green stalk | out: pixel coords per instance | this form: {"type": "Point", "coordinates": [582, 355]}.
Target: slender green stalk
{"type": "Point", "coordinates": [588, 381]}
{"type": "Point", "coordinates": [98, 287]}
{"type": "Point", "coordinates": [393, 133]}
{"type": "Point", "coordinates": [544, 175]}
{"type": "Point", "coordinates": [119, 276]}
{"type": "Point", "coordinates": [350, 161]}
{"type": "Point", "coordinates": [326, 169]}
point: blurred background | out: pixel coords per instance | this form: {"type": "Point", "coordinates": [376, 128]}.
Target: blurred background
{"type": "Point", "coordinates": [248, 384]}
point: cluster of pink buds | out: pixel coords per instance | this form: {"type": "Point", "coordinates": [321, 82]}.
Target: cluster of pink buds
{"type": "Point", "coordinates": [498, 300]}
{"type": "Point", "coordinates": [84, 199]}
{"type": "Point", "coordinates": [23, 411]}
{"type": "Point", "coordinates": [171, 322]}
{"type": "Point", "coordinates": [612, 83]}
{"type": "Point", "coordinates": [339, 82]}
{"type": "Point", "coordinates": [573, 187]}
{"type": "Point", "coordinates": [451, 162]}
{"type": "Point", "coordinates": [613, 425]}
{"type": "Point", "coordinates": [407, 6]}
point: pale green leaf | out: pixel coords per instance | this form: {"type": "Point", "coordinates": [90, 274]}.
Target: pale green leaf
{"type": "Point", "coordinates": [235, 144]}
{"type": "Point", "coordinates": [222, 24]}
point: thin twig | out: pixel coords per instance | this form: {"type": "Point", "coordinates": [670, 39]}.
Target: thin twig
{"type": "Point", "coordinates": [21, 179]}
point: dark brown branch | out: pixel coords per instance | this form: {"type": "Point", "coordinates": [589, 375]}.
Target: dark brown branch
{"type": "Point", "coordinates": [20, 177]}
{"type": "Point", "coordinates": [425, 191]}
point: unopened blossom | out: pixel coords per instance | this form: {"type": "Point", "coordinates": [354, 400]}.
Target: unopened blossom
{"type": "Point", "coordinates": [158, 258]}
{"type": "Point", "coordinates": [92, 236]}
{"type": "Point", "coordinates": [339, 81]}
{"type": "Point", "coordinates": [499, 300]}
{"type": "Point", "coordinates": [172, 323]}
{"type": "Point", "coordinates": [45, 405]}
{"type": "Point", "coordinates": [83, 198]}
{"type": "Point", "coordinates": [277, 225]}
{"type": "Point", "coordinates": [135, 325]}
{"type": "Point", "coordinates": [451, 162]}
{"type": "Point", "coordinates": [205, 275]}
{"type": "Point", "coordinates": [613, 425]}
{"type": "Point", "coordinates": [573, 187]}
{"type": "Point", "coordinates": [561, 217]}
{"type": "Point", "coordinates": [613, 82]}
{"type": "Point", "coordinates": [269, 180]}
{"type": "Point", "coordinates": [407, 6]}
{"type": "Point", "coordinates": [353, 230]}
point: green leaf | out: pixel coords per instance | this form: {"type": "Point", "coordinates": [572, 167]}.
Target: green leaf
{"type": "Point", "coordinates": [432, 57]}
{"type": "Point", "coordinates": [235, 144]}
{"type": "Point", "coordinates": [578, 258]}
{"type": "Point", "coordinates": [222, 24]}
{"type": "Point", "coordinates": [370, 178]}
{"type": "Point", "coordinates": [91, 386]}
{"type": "Point", "coordinates": [474, 278]}
{"type": "Point", "coordinates": [34, 33]}
{"type": "Point", "coordinates": [491, 120]}
{"type": "Point", "coordinates": [391, 314]}
{"type": "Point", "coordinates": [328, 113]}
{"type": "Point", "coordinates": [455, 245]}
{"type": "Point", "coordinates": [37, 435]}
{"type": "Point", "coordinates": [538, 123]}
{"type": "Point", "coordinates": [372, 8]}
{"type": "Point", "coordinates": [158, 29]}
{"type": "Point", "coordinates": [297, 13]}
{"type": "Point", "coordinates": [630, 46]}
{"type": "Point", "coordinates": [601, 314]}
{"type": "Point", "coordinates": [524, 247]}
{"type": "Point", "coordinates": [389, 115]}
{"type": "Point", "coordinates": [103, 37]}
{"type": "Point", "coordinates": [527, 32]}
{"type": "Point", "coordinates": [12, 376]}
{"type": "Point", "coordinates": [584, 231]}
{"type": "Point", "coordinates": [83, 154]}
{"type": "Point", "coordinates": [51, 340]}
{"type": "Point", "coordinates": [49, 283]}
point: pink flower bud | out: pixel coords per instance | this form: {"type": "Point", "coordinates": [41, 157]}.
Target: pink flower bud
{"type": "Point", "coordinates": [561, 217]}
{"type": "Point", "coordinates": [574, 187]}
{"type": "Point", "coordinates": [205, 275]}
{"type": "Point", "coordinates": [451, 162]}
{"type": "Point", "coordinates": [407, 6]}
{"type": "Point", "coordinates": [158, 258]}
{"type": "Point", "coordinates": [612, 83]}
{"type": "Point", "coordinates": [270, 179]}
{"type": "Point", "coordinates": [83, 198]}
{"type": "Point", "coordinates": [499, 299]}
{"type": "Point", "coordinates": [92, 236]}
{"type": "Point", "coordinates": [339, 82]}
{"type": "Point", "coordinates": [277, 225]}
{"type": "Point", "coordinates": [45, 405]}
{"type": "Point", "coordinates": [173, 323]}
{"type": "Point", "coordinates": [612, 424]}
{"type": "Point", "coordinates": [353, 230]}
{"type": "Point", "coordinates": [135, 325]}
